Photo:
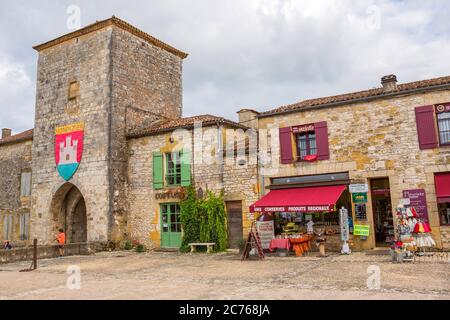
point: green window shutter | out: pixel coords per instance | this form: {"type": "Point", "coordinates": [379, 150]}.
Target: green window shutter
{"type": "Point", "coordinates": [185, 168]}
{"type": "Point", "coordinates": [158, 173]}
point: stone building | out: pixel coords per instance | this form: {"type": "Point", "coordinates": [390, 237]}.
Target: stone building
{"type": "Point", "coordinates": [110, 155]}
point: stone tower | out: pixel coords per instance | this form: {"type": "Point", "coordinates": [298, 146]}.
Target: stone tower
{"type": "Point", "coordinates": [105, 78]}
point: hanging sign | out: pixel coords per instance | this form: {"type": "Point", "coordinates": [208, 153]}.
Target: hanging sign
{"type": "Point", "coordinates": [417, 200]}
{"type": "Point", "coordinates": [359, 197]}
{"type": "Point", "coordinates": [440, 108]}
{"type": "Point", "coordinates": [358, 188]}
{"type": "Point", "coordinates": [361, 230]}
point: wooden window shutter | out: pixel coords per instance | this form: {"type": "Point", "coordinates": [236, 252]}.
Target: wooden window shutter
{"type": "Point", "coordinates": [158, 171]}
{"type": "Point", "coordinates": [286, 153]}
{"type": "Point", "coordinates": [426, 127]}
{"type": "Point", "coordinates": [185, 168]}
{"type": "Point", "coordinates": [323, 148]}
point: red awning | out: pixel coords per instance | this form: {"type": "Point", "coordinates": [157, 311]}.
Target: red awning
{"type": "Point", "coordinates": [317, 199]}
{"type": "Point", "coordinates": [443, 187]}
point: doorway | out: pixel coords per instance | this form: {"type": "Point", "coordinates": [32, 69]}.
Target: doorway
{"type": "Point", "coordinates": [170, 226]}
{"type": "Point", "coordinates": [382, 212]}
{"type": "Point", "coordinates": [235, 230]}
{"type": "Point", "coordinates": [70, 213]}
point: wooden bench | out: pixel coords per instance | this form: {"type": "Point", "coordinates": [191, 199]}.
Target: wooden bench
{"type": "Point", "coordinates": [208, 245]}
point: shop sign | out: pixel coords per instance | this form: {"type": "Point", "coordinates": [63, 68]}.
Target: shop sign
{"type": "Point", "coordinates": [318, 208]}
{"type": "Point", "coordinates": [345, 231]}
{"type": "Point", "coordinates": [172, 194]}
{"type": "Point", "coordinates": [266, 232]}
{"type": "Point", "coordinates": [304, 128]}
{"type": "Point", "coordinates": [440, 108]}
{"type": "Point", "coordinates": [359, 197]}
{"type": "Point", "coordinates": [359, 188]}
{"type": "Point", "coordinates": [361, 230]}
{"type": "Point", "coordinates": [418, 201]}
{"type": "Point", "coordinates": [361, 212]}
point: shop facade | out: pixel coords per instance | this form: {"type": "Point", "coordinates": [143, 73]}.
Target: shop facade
{"type": "Point", "coordinates": [392, 142]}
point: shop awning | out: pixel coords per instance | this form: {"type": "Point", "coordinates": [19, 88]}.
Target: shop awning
{"type": "Point", "coordinates": [443, 187]}
{"type": "Point", "coordinates": [317, 199]}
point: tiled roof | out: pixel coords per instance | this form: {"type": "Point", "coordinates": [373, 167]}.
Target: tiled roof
{"type": "Point", "coordinates": [183, 123]}
{"type": "Point", "coordinates": [358, 96]}
{"type": "Point", "coordinates": [119, 23]}
{"type": "Point", "coordinates": [23, 136]}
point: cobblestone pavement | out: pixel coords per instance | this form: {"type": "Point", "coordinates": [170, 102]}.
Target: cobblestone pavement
{"type": "Point", "coordinates": [156, 275]}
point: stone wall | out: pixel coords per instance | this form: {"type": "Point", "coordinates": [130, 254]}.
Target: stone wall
{"type": "Point", "coordinates": [14, 159]}
{"type": "Point", "coordinates": [237, 182]}
{"type": "Point", "coordinates": [375, 139]}
{"type": "Point", "coordinates": [146, 88]}
{"type": "Point", "coordinates": [85, 60]}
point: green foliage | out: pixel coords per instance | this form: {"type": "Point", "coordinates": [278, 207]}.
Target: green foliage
{"type": "Point", "coordinates": [189, 219]}
{"type": "Point", "coordinates": [204, 220]}
{"type": "Point", "coordinates": [128, 245]}
{"type": "Point", "coordinates": [140, 248]}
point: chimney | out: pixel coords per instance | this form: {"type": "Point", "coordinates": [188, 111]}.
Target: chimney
{"type": "Point", "coordinates": [389, 83]}
{"type": "Point", "coordinates": [248, 118]}
{"type": "Point", "coordinates": [6, 133]}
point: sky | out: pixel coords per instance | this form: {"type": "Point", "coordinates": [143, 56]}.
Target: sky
{"type": "Point", "coordinates": [258, 54]}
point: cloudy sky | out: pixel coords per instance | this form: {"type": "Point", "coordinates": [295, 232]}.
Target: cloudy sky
{"type": "Point", "coordinates": [244, 53]}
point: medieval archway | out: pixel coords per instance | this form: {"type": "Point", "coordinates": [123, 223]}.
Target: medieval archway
{"type": "Point", "coordinates": [69, 213]}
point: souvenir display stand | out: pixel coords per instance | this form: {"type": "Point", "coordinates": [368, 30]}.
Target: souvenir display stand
{"type": "Point", "coordinates": [413, 236]}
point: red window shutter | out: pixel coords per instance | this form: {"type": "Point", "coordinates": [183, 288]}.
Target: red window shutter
{"type": "Point", "coordinates": [287, 156]}
{"type": "Point", "coordinates": [323, 149]}
{"type": "Point", "coordinates": [426, 127]}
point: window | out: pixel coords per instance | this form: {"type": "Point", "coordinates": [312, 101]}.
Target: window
{"type": "Point", "coordinates": [7, 227]}
{"type": "Point", "coordinates": [74, 90]}
{"type": "Point", "coordinates": [306, 145]}
{"type": "Point", "coordinates": [444, 127]}
{"type": "Point", "coordinates": [24, 226]}
{"type": "Point", "coordinates": [25, 184]}
{"type": "Point", "coordinates": [173, 169]}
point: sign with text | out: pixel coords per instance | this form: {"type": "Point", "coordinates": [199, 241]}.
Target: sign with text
{"type": "Point", "coordinates": [440, 108]}
{"type": "Point", "coordinates": [359, 188]}
{"type": "Point", "coordinates": [266, 231]}
{"type": "Point", "coordinates": [361, 212]}
{"type": "Point", "coordinates": [360, 197]}
{"type": "Point", "coordinates": [361, 230]}
{"type": "Point", "coordinates": [345, 231]}
{"type": "Point", "coordinates": [417, 200]}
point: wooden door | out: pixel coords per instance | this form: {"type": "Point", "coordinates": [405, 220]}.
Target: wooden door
{"type": "Point", "coordinates": [170, 226]}
{"type": "Point", "coordinates": [235, 230]}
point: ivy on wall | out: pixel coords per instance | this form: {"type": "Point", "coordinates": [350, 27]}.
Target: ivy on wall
{"type": "Point", "coordinates": [204, 220]}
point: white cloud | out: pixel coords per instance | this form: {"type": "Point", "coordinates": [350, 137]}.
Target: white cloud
{"type": "Point", "coordinates": [256, 53]}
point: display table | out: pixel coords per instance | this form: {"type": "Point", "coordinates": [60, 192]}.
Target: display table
{"type": "Point", "coordinates": [279, 244]}
{"type": "Point", "coordinates": [301, 245]}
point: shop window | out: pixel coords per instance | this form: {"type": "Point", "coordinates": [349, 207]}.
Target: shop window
{"type": "Point", "coordinates": [7, 226]}
{"type": "Point", "coordinates": [173, 169]}
{"type": "Point", "coordinates": [306, 145]}
{"type": "Point", "coordinates": [25, 184]}
{"type": "Point", "coordinates": [444, 127]}
{"type": "Point", "coordinates": [24, 226]}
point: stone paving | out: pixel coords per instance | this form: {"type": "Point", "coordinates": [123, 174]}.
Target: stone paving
{"type": "Point", "coordinates": [162, 275]}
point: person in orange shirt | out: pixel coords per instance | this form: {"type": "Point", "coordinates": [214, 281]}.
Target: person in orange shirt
{"type": "Point", "coordinates": [61, 239]}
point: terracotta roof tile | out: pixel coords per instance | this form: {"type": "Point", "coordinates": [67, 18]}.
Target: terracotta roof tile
{"type": "Point", "coordinates": [119, 23]}
{"type": "Point", "coordinates": [23, 136]}
{"type": "Point", "coordinates": [182, 123]}
{"type": "Point", "coordinates": [355, 96]}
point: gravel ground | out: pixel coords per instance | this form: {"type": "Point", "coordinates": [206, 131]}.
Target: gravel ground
{"type": "Point", "coordinates": [158, 275]}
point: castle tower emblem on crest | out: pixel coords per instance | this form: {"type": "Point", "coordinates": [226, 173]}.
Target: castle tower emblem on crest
{"type": "Point", "coordinates": [68, 149]}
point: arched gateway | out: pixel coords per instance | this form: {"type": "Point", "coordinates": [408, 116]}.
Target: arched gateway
{"type": "Point", "coordinates": [69, 212]}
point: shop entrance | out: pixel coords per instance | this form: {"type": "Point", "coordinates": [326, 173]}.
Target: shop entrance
{"type": "Point", "coordinates": [235, 231]}
{"type": "Point", "coordinates": [170, 226]}
{"type": "Point", "coordinates": [382, 212]}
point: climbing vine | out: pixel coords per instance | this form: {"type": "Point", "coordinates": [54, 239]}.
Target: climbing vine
{"type": "Point", "coordinates": [204, 220]}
